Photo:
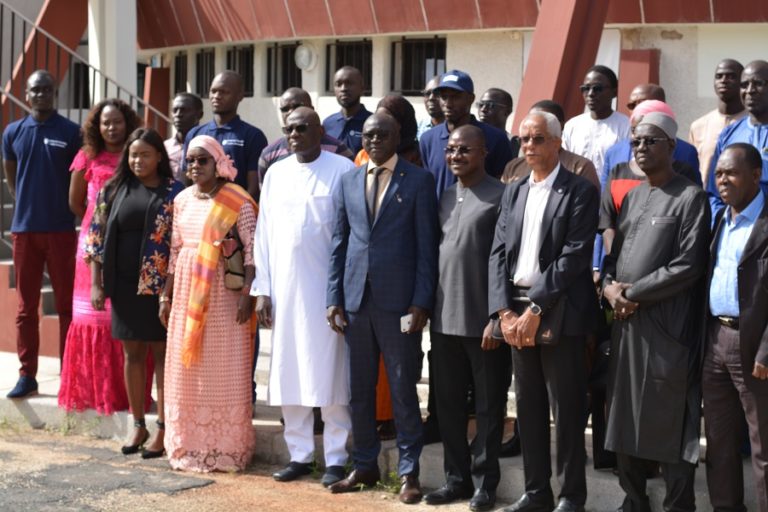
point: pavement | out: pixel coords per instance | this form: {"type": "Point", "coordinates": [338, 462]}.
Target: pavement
{"type": "Point", "coordinates": [42, 413]}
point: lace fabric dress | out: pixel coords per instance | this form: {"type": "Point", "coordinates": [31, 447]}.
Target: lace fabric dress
{"type": "Point", "coordinates": [92, 368]}
{"type": "Point", "coordinates": [208, 405]}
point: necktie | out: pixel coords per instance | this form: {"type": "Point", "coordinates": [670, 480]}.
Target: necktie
{"type": "Point", "coordinates": [373, 193]}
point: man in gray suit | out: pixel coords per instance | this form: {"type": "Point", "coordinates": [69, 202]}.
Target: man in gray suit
{"type": "Point", "coordinates": [460, 353]}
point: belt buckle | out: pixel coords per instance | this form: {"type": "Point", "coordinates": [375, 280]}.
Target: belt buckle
{"type": "Point", "coordinates": [728, 321]}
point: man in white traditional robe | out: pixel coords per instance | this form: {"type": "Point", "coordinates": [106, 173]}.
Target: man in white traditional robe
{"type": "Point", "coordinates": [292, 248]}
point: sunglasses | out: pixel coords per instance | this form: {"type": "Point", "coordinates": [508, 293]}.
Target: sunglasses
{"type": "Point", "coordinates": [492, 105]}
{"type": "Point", "coordinates": [288, 108]}
{"type": "Point", "coordinates": [458, 150]}
{"type": "Point", "coordinates": [298, 128]}
{"type": "Point", "coordinates": [201, 161]}
{"type": "Point", "coordinates": [379, 134]}
{"type": "Point", "coordinates": [586, 88]}
{"type": "Point", "coordinates": [536, 140]}
{"type": "Point", "coordinates": [649, 141]}
{"type": "Point", "coordinates": [758, 83]}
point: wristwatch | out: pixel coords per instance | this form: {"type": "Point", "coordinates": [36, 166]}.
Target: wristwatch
{"type": "Point", "coordinates": [535, 309]}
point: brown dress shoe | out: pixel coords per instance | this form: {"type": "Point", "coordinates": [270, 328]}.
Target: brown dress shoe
{"type": "Point", "coordinates": [356, 480]}
{"type": "Point", "coordinates": [410, 489]}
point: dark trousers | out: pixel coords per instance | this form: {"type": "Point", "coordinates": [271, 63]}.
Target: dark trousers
{"type": "Point", "coordinates": [457, 362]}
{"type": "Point", "coordinates": [370, 333]}
{"type": "Point", "coordinates": [678, 479]}
{"type": "Point", "coordinates": [725, 396]}
{"type": "Point", "coordinates": [552, 375]}
{"type": "Point", "coordinates": [31, 253]}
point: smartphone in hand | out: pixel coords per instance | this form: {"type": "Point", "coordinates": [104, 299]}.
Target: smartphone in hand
{"type": "Point", "coordinates": [405, 322]}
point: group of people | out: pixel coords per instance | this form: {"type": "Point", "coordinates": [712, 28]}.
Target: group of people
{"type": "Point", "coordinates": [598, 266]}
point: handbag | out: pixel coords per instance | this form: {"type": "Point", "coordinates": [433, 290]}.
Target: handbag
{"type": "Point", "coordinates": [234, 261]}
{"type": "Point", "coordinates": [549, 328]}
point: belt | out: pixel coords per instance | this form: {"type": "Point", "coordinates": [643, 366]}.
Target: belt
{"type": "Point", "coordinates": [732, 322]}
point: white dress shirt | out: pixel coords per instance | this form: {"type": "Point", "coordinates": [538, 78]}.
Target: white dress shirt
{"type": "Point", "coordinates": [527, 270]}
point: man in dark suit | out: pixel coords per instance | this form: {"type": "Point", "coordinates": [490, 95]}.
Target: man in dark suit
{"type": "Point", "coordinates": [540, 265]}
{"type": "Point", "coordinates": [383, 273]}
{"type": "Point", "coordinates": [735, 374]}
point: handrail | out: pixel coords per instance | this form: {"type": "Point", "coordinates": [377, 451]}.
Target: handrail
{"type": "Point", "coordinates": [16, 101]}
{"type": "Point", "coordinates": [80, 59]}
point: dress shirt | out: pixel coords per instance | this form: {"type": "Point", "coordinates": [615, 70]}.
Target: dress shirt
{"type": "Point", "coordinates": [385, 176]}
{"type": "Point", "coordinates": [527, 270]}
{"type": "Point", "coordinates": [175, 149]}
{"type": "Point", "coordinates": [724, 288]}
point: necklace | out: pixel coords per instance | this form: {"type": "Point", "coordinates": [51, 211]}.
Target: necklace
{"type": "Point", "coordinates": [206, 195]}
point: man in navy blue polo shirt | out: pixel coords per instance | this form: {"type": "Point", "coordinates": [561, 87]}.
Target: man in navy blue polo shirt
{"type": "Point", "coordinates": [241, 141]}
{"type": "Point", "coordinates": [347, 125]}
{"type": "Point", "coordinates": [37, 153]}
{"type": "Point", "coordinates": [457, 92]}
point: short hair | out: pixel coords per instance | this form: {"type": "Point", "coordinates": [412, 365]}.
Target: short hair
{"type": "Point", "coordinates": [553, 124]}
{"type": "Point", "coordinates": [750, 154]}
{"type": "Point", "coordinates": [606, 72]}
{"type": "Point", "coordinates": [504, 94]}
{"type": "Point", "coordinates": [194, 98]}
{"type": "Point", "coordinates": [552, 107]}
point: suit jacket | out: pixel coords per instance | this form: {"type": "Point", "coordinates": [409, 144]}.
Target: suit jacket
{"type": "Point", "coordinates": [397, 255]}
{"type": "Point", "coordinates": [753, 295]}
{"type": "Point", "coordinates": [565, 254]}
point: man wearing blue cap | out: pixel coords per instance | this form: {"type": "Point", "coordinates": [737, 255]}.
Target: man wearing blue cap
{"type": "Point", "coordinates": [457, 93]}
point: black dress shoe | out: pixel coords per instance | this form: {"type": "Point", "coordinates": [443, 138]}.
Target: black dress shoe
{"type": "Point", "coordinates": [511, 448]}
{"type": "Point", "coordinates": [292, 471]}
{"type": "Point", "coordinates": [526, 504]}
{"type": "Point", "coordinates": [482, 500]}
{"type": "Point", "coordinates": [447, 494]}
{"type": "Point", "coordinates": [25, 386]}
{"type": "Point", "coordinates": [356, 481]}
{"type": "Point", "coordinates": [332, 475]}
{"type": "Point", "coordinates": [566, 505]}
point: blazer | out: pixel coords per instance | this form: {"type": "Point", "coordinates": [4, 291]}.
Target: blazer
{"type": "Point", "coordinates": [565, 254]}
{"type": "Point", "coordinates": [752, 279]}
{"type": "Point", "coordinates": [397, 255]}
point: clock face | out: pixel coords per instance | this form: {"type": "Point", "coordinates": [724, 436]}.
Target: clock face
{"type": "Point", "coordinates": [304, 57]}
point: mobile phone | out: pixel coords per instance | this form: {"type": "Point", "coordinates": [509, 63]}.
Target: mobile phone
{"type": "Point", "coordinates": [405, 322]}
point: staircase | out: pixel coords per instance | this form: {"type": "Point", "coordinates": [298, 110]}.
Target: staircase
{"type": "Point", "coordinates": [48, 43]}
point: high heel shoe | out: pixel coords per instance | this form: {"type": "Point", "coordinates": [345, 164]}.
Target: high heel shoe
{"type": "Point", "coordinates": [129, 449]}
{"type": "Point", "coordinates": [154, 454]}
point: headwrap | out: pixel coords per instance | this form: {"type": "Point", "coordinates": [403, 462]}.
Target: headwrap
{"type": "Point", "coordinates": [662, 121]}
{"type": "Point", "coordinates": [225, 167]}
{"type": "Point", "coordinates": [649, 106]}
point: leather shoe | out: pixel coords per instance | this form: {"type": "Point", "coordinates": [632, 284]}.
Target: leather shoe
{"type": "Point", "coordinates": [292, 471]}
{"type": "Point", "coordinates": [410, 489]}
{"type": "Point", "coordinates": [482, 500]}
{"type": "Point", "coordinates": [447, 494]}
{"type": "Point", "coordinates": [566, 505]}
{"type": "Point", "coordinates": [526, 504]}
{"type": "Point", "coordinates": [510, 448]}
{"type": "Point", "coordinates": [25, 386]}
{"type": "Point", "coordinates": [356, 480]}
{"type": "Point", "coordinates": [332, 475]}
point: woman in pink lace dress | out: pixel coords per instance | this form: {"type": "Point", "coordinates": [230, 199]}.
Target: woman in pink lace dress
{"type": "Point", "coordinates": [210, 327]}
{"type": "Point", "coordinates": [92, 368]}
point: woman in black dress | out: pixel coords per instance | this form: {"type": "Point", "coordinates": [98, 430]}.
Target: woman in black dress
{"type": "Point", "coordinates": [129, 244]}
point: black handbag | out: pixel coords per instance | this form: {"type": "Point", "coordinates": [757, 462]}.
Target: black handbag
{"type": "Point", "coordinates": [234, 261]}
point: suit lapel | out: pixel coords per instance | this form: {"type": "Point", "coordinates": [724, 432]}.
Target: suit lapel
{"type": "Point", "coordinates": [398, 175]}
{"type": "Point", "coordinates": [359, 201]}
{"type": "Point", "coordinates": [713, 245]}
{"type": "Point", "coordinates": [758, 235]}
{"type": "Point", "coordinates": [515, 231]}
{"type": "Point", "coordinates": [553, 202]}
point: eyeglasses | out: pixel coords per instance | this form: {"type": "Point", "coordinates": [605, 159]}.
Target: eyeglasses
{"type": "Point", "coordinates": [586, 88]}
{"type": "Point", "coordinates": [632, 105]}
{"type": "Point", "coordinates": [492, 105]}
{"type": "Point", "coordinates": [288, 108]}
{"type": "Point", "coordinates": [298, 128]}
{"type": "Point", "coordinates": [649, 141]}
{"type": "Point", "coordinates": [379, 134]}
{"type": "Point", "coordinates": [201, 161]}
{"type": "Point", "coordinates": [757, 83]}
{"type": "Point", "coordinates": [536, 140]}
{"type": "Point", "coordinates": [458, 150]}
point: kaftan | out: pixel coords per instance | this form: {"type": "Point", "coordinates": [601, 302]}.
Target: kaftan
{"type": "Point", "coordinates": [292, 254]}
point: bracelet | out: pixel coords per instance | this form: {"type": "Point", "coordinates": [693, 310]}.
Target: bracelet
{"type": "Point", "coordinates": [164, 298]}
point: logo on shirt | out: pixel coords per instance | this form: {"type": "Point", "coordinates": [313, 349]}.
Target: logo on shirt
{"type": "Point", "coordinates": [54, 142]}
{"type": "Point", "coordinates": [233, 142]}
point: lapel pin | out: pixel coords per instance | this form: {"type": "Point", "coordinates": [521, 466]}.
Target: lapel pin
{"type": "Point", "coordinates": [399, 199]}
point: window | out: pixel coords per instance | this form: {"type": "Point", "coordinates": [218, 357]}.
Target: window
{"type": "Point", "coordinates": [282, 71]}
{"type": "Point", "coordinates": [204, 73]}
{"type": "Point", "coordinates": [349, 53]}
{"type": "Point", "coordinates": [414, 62]}
{"type": "Point", "coordinates": [180, 73]}
{"type": "Point", "coordinates": [240, 59]}
{"type": "Point", "coordinates": [80, 85]}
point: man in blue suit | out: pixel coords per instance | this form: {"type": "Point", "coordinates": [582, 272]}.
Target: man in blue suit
{"type": "Point", "coordinates": [383, 274]}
